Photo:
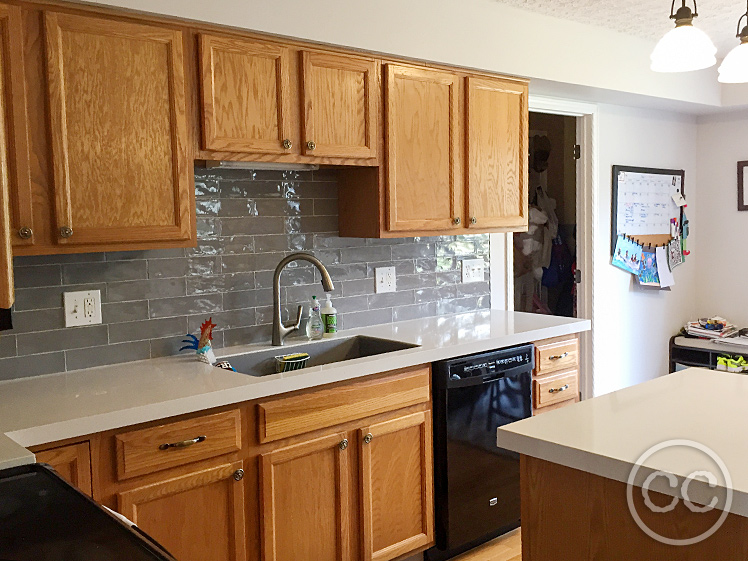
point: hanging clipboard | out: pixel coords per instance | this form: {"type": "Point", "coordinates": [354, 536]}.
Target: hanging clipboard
{"type": "Point", "coordinates": [643, 204]}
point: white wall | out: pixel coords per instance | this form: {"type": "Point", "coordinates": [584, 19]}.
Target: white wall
{"type": "Point", "coordinates": [633, 324]}
{"type": "Point", "coordinates": [722, 279]}
{"type": "Point", "coordinates": [474, 33]}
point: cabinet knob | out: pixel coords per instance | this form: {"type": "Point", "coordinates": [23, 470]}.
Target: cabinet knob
{"type": "Point", "coordinates": [457, 220]}
{"type": "Point", "coordinates": [66, 232]}
{"type": "Point", "coordinates": [238, 475]}
{"type": "Point", "coordinates": [343, 444]}
{"type": "Point", "coordinates": [311, 145]}
{"type": "Point", "coordinates": [287, 144]}
{"type": "Point", "coordinates": [25, 233]}
{"type": "Point", "coordinates": [368, 438]}
{"type": "Point", "coordinates": [473, 220]}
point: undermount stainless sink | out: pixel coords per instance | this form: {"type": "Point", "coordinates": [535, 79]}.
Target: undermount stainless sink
{"type": "Point", "coordinates": [340, 349]}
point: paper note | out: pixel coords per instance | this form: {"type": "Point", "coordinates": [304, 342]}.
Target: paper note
{"type": "Point", "coordinates": [663, 269]}
{"type": "Point", "coordinates": [674, 253]}
{"type": "Point", "coordinates": [678, 199]}
{"type": "Point", "coordinates": [648, 273]}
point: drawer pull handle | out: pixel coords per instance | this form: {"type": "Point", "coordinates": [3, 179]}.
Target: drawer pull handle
{"type": "Point", "coordinates": [558, 390]}
{"type": "Point", "coordinates": [183, 444]}
{"type": "Point", "coordinates": [559, 357]}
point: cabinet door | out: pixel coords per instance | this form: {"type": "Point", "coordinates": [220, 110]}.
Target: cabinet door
{"type": "Point", "coordinates": [119, 133]}
{"type": "Point", "coordinates": [340, 105]}
{"type": "Point", "coordinates": [246, 96]}
{"type": "Point", "coordinates": [7, 294]}
{"type": "Point", "coordinates": [497, 121]}
{"type": "Point", "coordinates": [72, 463]}
{"type": "Point", "coordinates": [199, 516]}
{"type": "Point", "coordinates": [397, 475]}
{"type": "Point", "coordinates": [424, 187]}
{"type": "Point", "coordinates": [15, 125]}
{"type": "Point", "coordinates": [305, 501]}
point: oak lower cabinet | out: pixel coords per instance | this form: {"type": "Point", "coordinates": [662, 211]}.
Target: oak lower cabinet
{"type": "Point", "coordinates": [396, 466]}
{"type": "Point", "coordinates": [118, 130]}
{"type": "Point", "coordinates": [197, 516]}
{"type": "Point", "coordinates": [306, 501]}
{"type": "Point", "coordinates": [555, 381]}
{"type": "Point", "coordinates": [72, 462]}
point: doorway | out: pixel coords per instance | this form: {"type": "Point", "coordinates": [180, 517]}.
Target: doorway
{"type": "Point", "coordinates": [545, 256]}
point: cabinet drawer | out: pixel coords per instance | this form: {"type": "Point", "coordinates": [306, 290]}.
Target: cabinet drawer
{"type": "Point", "coordinates": [156, 448]}
{"type": "Point", "coordinates": [557, 355]}
{"type": "Point", "coordinates": [290, 416]}
{"type": "Point", "coordinates": [563, 386]}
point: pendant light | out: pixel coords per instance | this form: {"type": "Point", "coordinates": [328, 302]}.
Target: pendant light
{"type": "Point", "coordinates": [734, 69]}
{"type": "Point", "coordinates": [686, 47]}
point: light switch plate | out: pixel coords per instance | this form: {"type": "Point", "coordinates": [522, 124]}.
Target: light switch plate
{"type": "Point", "coordinates": [82, 308]}
{"type": "Point", "coordinates": [385, 279]}
{"type": "Point", "coordinates": [473, 270]}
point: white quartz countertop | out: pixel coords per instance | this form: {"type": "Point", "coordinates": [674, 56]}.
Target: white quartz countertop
{"type": "Point", "coordinates": [59, 406]}
{"type": "Point", "coordinates": [608, 435]}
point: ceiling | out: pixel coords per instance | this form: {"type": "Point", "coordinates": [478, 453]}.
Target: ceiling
{"type": "Point", "coordinates": [643, 18]}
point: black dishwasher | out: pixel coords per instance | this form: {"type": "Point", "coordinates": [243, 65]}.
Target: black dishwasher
{"type": "Point", "coordinates": [476, 484]}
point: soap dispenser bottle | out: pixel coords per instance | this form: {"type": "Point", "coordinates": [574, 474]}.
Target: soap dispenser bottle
{"type": "Point", "coordinates": [315, 327]}
{"type": "Point", "coordinates": [329, 317]}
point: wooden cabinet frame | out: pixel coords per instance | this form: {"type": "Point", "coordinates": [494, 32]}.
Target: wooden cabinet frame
{"type": "Point", "coordinates": [280, 55]}
{"type": "Point", "coordinates": [369, 69]}
{"type": "Point", "coordinates": [392, 122]}
{"type": "Point", "coordinates": [183, 192]}
{"type": "Point", "coordinates": [270, 460]}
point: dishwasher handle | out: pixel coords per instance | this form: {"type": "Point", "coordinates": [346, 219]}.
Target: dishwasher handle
{"type": "Point", "coordinates": [488, 378]}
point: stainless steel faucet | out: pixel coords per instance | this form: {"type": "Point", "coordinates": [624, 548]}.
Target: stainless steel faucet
{"type": "Point", "coordinates": [281, 330]}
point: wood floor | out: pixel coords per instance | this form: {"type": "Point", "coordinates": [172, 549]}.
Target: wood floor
{"type": "Point", "coordinates": [506, 548]}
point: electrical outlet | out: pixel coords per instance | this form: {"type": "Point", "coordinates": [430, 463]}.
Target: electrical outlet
{"type": "Point", "coordinates": [385, 279]}
{"type": "Point", "coordinates": [82, 308]}
{"type": "Point", "coordinates": [473, 270]}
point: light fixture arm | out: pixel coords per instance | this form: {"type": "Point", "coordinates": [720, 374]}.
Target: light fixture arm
{"type": "Point", "coordinates": [684, 15]}
{"type": "Point", "coordinates": [742, 33]}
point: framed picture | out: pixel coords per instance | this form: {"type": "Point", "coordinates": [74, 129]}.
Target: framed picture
{"type": "Point", "coordinates": [742, 185]}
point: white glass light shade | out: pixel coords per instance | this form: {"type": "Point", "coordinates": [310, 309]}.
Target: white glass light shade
{"type": "Point", "coordinates": [734, 69]}
{"type": "Point", "coordinates": [684, 49]}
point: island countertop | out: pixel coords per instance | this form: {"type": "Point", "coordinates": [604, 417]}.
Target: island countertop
{"type": "Point", "coordinates": [611, 434]}
{"type": "Point", "coordinates": [56, 407]}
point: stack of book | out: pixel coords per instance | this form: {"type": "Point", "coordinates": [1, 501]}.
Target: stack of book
{"type": "Point", "coordinates": [710, 328]}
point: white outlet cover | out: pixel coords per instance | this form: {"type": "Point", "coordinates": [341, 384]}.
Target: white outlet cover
{"type": "Point", "coordinates": [473, 270]}
{"type": "Point", "coordinates": [82, 308]}
{"type": "Point", "coordinates": [385, 280]}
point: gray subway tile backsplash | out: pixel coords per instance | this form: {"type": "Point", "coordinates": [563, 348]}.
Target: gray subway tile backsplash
{"type": "Point", "coordinates": [247, 222]}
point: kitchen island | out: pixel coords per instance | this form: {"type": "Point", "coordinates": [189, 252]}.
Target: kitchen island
{"type": "Point", "coordinates": [655, 471]}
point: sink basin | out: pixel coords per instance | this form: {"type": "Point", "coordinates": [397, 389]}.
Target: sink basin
{"type": "Point", "coordinates": [328, 351]}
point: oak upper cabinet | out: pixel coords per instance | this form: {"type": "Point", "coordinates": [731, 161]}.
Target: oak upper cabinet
{"type": "Point", "coordinates": [340, 105]}
{"type": "Point", "coordinates": [119, 134]}
{"type": "Point", "coordinates": [423, 174]}
{"type": "Point", "coordinates": [246, 95]}
{"type": "Point", "coordinates": [15, 125]}
{"type": "Point", "coordinates": [7, 294]}
{"type": "Point", "coordinates": [305, 501]}
{"type": "Point", "coordinates": [196, 516]}
{"type": "Point", "coordinates": [397, 479]}
{"type": "Point", "coordinates": [496, 129]}
{"type": "Point", "coordinates": [72, 462]}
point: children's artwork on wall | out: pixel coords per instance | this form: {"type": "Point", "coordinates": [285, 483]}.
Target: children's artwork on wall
{"type": "Point", "coordinates": [674, 253]}
{"type": "Point", "coordinates": [627, 255]}
{"type": "Point", "coordinates": [648, 273]}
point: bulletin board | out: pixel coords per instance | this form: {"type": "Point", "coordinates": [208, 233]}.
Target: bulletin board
{"type": "Point", "coordinates": [643, 204]}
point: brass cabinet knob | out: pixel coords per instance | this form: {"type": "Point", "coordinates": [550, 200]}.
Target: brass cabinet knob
{"type": "Point", "coordinates": [287, 144]}
{"type": "Point", "coordinates": [311, 145]}
{"type": "Point", "coordinates": [66, 232]}
{"type": "Point", "coordinates": [343, 444]}
{"type": "Point", "coordinates": [25, 233]}
{"type": "Point", "coordinates": [457, 220]}
{"type": "Point", "coordinates": [368, 438]}
{"type": "Point", "coordinates": [238, 475]}
{"type": "Point", "coordinates": [473, 220]}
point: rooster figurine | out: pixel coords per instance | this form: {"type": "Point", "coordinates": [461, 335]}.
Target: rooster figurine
{"type": "Point", "coordinates": [202, 346]}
